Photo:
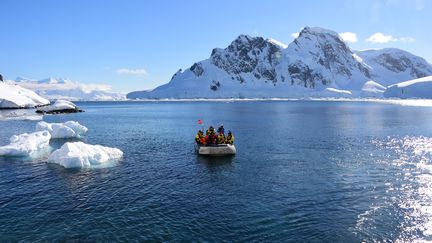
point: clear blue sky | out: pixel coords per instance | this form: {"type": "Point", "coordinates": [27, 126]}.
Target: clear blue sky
{"type": "Point", "coordinates": [113, 42]}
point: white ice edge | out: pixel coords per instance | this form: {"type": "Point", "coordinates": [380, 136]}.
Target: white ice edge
{"type": "Point", "coordinates": [27, 145]}
{"type": "Point", "coordinates": [82, 155]}
{"type": "Point", "coordinates": [69, 129]}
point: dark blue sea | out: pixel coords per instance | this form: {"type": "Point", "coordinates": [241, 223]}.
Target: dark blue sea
{"type": "Point", "coordinates": [304, 171]}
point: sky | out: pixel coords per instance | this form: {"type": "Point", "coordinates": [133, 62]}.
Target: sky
{"type": "Point", "coordinates": [137, 45]}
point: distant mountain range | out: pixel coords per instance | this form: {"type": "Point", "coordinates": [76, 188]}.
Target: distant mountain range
{"type": "Point", "coordinates": [317, 63]}
{"type": "Point", "coordinates": [65, 89]}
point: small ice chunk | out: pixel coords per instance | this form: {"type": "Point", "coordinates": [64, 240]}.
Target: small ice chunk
{"type": "Point", "coordinates": [26, 144]}
{"type": "Point", "coordinates": [79, 155]}
{"type": "Point", "coordinates": [69, 129]}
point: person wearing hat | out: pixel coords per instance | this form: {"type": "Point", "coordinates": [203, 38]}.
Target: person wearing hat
{"type": "Point", "coordinates": [211, 137]}
{"type": "Point", "coordinates": [199, 137]}
{"type": "Point", "coordinates": [221, 129]}
{"type": "Point", "coordinates": [221, 138]}
{"type": "Point", "coordinates": [229, 138]}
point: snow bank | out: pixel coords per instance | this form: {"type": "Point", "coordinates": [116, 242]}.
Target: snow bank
{"type": "Point", "coordinates": [27, 144]}
{"type": "Point", "coordinates": [79, 155]}
{"type": "Point", "coordinates": [60, 106]}
{"type": "Point", "coordinates": [69, 129]}
{"type": "Point", "coordinates": [372, 89]}
{"type": "Point", "coordinates": [14, 96]}
{"type": "Point", "coordinates": [416, 88]}
{"type": "Point", "coordinates": [332, 92]}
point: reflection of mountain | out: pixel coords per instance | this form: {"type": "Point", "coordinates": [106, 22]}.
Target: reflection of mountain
{"type": "Point", "coordinates": [52, 88]}
{"type": "Point", "coordinates": [317, 60]}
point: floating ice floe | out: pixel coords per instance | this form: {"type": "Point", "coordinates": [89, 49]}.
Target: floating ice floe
{"type": "Point", "coordinates": [60, 106]}
{"type": "Point", "coordinates": [19, 114]}
{"type": "Point", "coordinates": [27, 144]}
{"type": "Point", "coordinates": [69, 129]}
{"type": "Point", "coordinates": [79, 155]}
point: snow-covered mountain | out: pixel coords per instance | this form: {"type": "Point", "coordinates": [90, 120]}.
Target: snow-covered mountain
{"type": "Point", "coordinates": [65, 89]}
{"type": "Point", "coordinates": [317, 63]}
{"type": "Point", "coordinates": [391, 65]}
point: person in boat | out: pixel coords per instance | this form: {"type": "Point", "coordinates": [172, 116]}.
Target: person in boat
{"type": "Point", "coordinates": [200, 138]}
{"type": "Point", "coordinates": [211, 137]}
{"type": "Point", "coordinates": [221, 129]}
{"type": "Point", "coordinates": [229, 138]}
{"type": "Point", "coordinates": [220, 138]}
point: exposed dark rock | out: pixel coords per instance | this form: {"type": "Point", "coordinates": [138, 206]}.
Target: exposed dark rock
{"type": "Point", "coordinates": [175, 74]}
{"type": "Point", "coordinates": [197, 69]}
{"type": "Point", "coordinates": [60, 111]}
{"type": "Point", "coordinates": [246, 54]}
{"type": "Point", "coordinates": [215, 85]}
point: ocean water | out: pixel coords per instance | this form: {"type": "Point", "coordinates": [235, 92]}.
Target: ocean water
{"type": "Point", "coordinates": [305, 171]}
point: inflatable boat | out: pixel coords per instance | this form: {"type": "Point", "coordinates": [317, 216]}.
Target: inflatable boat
{"type": "Point", "coordinates": [216, 150]}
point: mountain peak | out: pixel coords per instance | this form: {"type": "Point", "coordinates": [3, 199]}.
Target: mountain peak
{"type": "Point", "coordinates": [317, 31]}
{"type": "Point", "coordinates": [316, 60]}
{"type": "Point", "coordinates": [277, 43]}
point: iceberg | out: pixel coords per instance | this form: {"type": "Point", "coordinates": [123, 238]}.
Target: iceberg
{"type": "Point", "coordinates": [60, 106]}
{"type": "Point", "coordinates": [69, 129]}
{"type": "Point", "coordinates": [27, 144]}
{"type": "Point", "coordinates": [82, 155]}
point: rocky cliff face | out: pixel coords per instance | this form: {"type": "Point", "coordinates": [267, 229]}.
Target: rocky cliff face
{"type": "Point", "coordinates": [321, 57]}
{"type": "Point", "coordinates": [246, 54]}
{"type": "Point", "coordinates": [318, 59]}
{"type": "Point", "coordinates": [392, 66]}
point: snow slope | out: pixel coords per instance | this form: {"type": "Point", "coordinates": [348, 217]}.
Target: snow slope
{"type": "Point", "coordinates": [372, 89]}
{"type": "Point", "coordinates": [14, 96]}
{"type": "Point", "coordinates": [79, 155]}
{"type": "Point", "coordinates": [416, 88]}
{"type": "Point", "coordinates": [65, 89]}
{"type": "Point", "coordinates": [390, 65]}
{"type": "Point", "coordinates": [318, 59]}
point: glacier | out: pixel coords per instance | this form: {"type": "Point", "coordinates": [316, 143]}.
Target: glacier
{"type": "Point", "coordinates": [416, 88]}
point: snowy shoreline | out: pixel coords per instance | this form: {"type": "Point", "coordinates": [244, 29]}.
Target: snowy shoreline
{"type": "Point", "coordinates": [408, 102]}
